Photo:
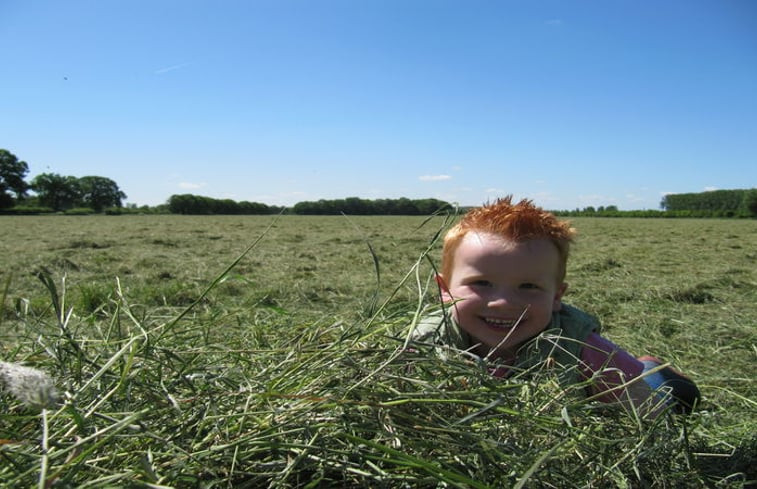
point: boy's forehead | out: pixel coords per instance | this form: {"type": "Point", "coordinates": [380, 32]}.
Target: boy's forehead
{"type": "Point", "coordinates": [539, 255]}
{"type": "Point", "coordinates": [487, 238]}
{"type": "Point", "coordinates": [494, 243]}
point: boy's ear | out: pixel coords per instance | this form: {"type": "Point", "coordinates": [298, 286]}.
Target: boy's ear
{"type": "Point", "coordinates": [446, 296]}
{"type": "Point", "coordinates": [557, 302]}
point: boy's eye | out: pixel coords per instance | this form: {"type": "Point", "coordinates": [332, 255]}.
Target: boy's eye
{"type": "Point", "coordinates": [528, 285]}
{"type": "Point", "coordinates": [481, 283]}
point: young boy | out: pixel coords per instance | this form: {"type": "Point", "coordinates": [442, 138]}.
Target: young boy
{"type": "Point", "coordinates": [502, 279]}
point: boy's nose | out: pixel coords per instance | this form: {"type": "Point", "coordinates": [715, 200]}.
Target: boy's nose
{"type": "Point", "coordinates": [502, 299]}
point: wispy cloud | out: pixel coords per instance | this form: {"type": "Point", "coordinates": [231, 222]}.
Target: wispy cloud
{"type": "Point", "coordinates": [162, 71]}
{"type": "Point", "coordinates": [190, 185]}
{"type": "Point", "coordinates": [544, 198]}
{"type": "Point", "coordinates": [710, 189]}
{"type": "Point", "coordinates": [281, 195]}
{"type": "Point", "coordinates": [286, 198]}
{"type": "Point", "coordinates": [596, 199]}
{"type": "Point", "coordinates": [553, 22]}
{"type": "Point", "coordinates": [434, 178]}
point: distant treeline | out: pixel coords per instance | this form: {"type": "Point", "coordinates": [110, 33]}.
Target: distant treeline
{"type": "Point", "coordinates": [362, 207]}
{"type": "Point", "coordinates": [720, 203]}
{"type": "Point", "coordinates": [647, 213]}
{"type": "Point", "coordinates": [54, 193]}
{"type": "Point", "coordinates": [199, 205]}
{"type": "Point", "coordinates": [716, 203]}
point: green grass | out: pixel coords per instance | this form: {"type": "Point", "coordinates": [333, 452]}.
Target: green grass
{"type": "Point", "coordinates": [286, 370]}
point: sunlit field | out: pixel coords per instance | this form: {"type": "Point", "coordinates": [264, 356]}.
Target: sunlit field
{"type": "Point", "coordinates": [265, 351]}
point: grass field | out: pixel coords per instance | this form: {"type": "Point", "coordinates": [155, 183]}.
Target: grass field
{"type": "Point", "coordinates": [177, 369]}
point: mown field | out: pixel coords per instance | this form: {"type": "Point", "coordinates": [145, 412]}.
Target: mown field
{"type": "Point", "coordinates": [179, 366]}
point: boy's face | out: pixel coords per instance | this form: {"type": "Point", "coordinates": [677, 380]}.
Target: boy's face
{"type": "Point", "coordinates": [494, 281]}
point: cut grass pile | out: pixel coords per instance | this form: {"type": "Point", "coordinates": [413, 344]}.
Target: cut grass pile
{"type": "Point", "coordinates": [286, 370]}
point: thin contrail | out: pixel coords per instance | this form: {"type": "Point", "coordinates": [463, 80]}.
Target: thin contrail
{"type": "Point", "coordinates": [171, 68]}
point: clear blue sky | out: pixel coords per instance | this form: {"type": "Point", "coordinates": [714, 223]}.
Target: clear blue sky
{"type": "Point", "coordinates": [571, 103]}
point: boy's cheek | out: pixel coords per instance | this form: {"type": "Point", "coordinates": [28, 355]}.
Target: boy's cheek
{"type": "Point", "coordinates": [450, 297]}
{"type": "Point", "coordinates": [540, 331]}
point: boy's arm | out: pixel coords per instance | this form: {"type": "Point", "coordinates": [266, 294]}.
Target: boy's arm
{"type": "Point", "coordinates": [618, 376]}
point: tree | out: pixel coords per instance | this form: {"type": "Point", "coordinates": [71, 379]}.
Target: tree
{"type": "Point", "coordinates": [199, 205]}
{"type": "Point", "coordinates": [750, 202]}
{"type": "Point", "coordinates": [98, 193]}
{"type": "Point", "coordinates": [56, 191]}
{"type": "Point", "coordinates": [714, 202]}
{"type": "Point", "coordinates": [358, 206]}
{"type": "Point", "coordinates": [12, 173]}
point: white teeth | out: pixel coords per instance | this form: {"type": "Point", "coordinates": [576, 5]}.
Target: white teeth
{"type": "Point", "coordinates": [501, 323]}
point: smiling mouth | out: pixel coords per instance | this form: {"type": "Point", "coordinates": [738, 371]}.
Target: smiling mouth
{"type": "Point", "coordinates": [501, 323]}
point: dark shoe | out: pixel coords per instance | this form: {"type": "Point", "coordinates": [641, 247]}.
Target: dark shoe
{"type": "Point", "coordinates": [683, 390]}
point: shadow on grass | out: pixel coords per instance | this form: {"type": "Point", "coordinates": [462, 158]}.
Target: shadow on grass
{"type": "Point", "coordinates": [736, 467]}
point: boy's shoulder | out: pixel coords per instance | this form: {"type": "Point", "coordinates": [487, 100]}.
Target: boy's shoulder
{"type": "Point", "coordinates": [436, 327]}
{"type": "Point", "coordinates": [429, 323]}
{"type": "Point", "coordinates": [573, 319]}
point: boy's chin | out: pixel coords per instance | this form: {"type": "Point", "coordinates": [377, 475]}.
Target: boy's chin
{"type": "Point", "coordinates": [504, 354]}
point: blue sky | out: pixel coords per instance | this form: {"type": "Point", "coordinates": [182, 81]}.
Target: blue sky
{"type": "Point", "coordinates": [570, 103]}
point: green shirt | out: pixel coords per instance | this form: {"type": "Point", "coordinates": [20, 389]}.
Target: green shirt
{"type": "Point", "coordinates": [562, 340]}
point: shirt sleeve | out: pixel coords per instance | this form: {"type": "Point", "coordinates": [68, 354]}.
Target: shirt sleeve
{"type": "Point", "coordinates": [608, 366]}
